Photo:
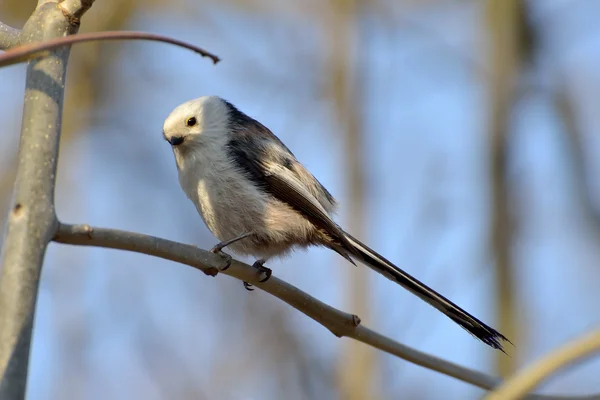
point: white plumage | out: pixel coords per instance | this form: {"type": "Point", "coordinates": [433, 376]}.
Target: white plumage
{"type": "Point", "coordinates": [218, 189]}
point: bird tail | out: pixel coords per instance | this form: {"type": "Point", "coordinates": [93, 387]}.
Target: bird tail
{"type": "Point", "coordinates": [486, 334]}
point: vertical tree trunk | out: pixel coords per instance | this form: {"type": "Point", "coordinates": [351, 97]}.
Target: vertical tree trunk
{"type": "Point", "coordinates": [504, 29]}
{"type": "Point", "coordinates": [32, 221]}
{"type": "Point", "coordinates": [356, 364]}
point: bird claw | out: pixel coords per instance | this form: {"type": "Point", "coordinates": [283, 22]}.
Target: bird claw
{"type": "Point", "coordinates": [266, 271]}
{"type": "Point", "coordinates": [259, 265]}
{"type": "Point", "coordinates": [217, 250]}
{"type": "Point", "coordinates": [228, 259]}
{"type": "Point", "coordinates": [261, 270]}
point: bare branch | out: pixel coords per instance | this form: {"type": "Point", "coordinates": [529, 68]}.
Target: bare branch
{"type": "Point", "coordinates": [75, 9]}
{"type": "Point", "coordinates": [32, 222]}
{"type": "Point", "coordinates": [9, 37]}
{"type": "Point", "coordinates": [34, 50]}
{"type": "Point", "coordinates": [520, 384]}
{"type": "Point", "coordinates": [338, 322]}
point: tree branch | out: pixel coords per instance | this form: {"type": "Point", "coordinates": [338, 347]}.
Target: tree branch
{"type": "Point", "coordinates": [338, 322]}
{"type": "Point", "coordinates": [9, 37]}
{"type": "Point", "coordinates": [32, 222]}
{"type": "Point", "coordinates": [35, 50]}
{"type": "Point", "coordinates": [75, 9]}
{"type": "Point", "coordinates": [521, 383]}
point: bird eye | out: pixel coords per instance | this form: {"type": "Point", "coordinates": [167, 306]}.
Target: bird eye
{"type": "Point", "coordinates": [191, 121]}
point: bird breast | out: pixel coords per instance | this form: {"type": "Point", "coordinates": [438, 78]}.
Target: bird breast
{"type": "Point", "coordinates": [230, 206]}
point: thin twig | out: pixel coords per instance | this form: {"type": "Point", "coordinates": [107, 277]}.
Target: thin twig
{"type": "Point", "coordinates": [34, 50]}
{"type": "Point", "coordinates": [9, 37]}
{"type": "Point", "coordinates": [523, 382]}
{"type": "Point", "coordinates": [338, 322]}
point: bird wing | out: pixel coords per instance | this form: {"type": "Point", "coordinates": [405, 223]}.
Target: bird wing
{"type": "Point", "coordinates": [272, 169]}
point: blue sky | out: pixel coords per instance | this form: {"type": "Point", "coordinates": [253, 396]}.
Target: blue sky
{"type": "Point", "coordinates": [120, 325]}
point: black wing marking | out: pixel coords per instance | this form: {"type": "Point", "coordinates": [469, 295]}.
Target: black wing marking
{"type": "Point", "coordinates": [258, 167]}
{"type": "Point", "coordinates": [246, 129]}
{"type": "Point", "coordinates": [261, 165]}
{"type": "Point", "coordinates": [288, 192]}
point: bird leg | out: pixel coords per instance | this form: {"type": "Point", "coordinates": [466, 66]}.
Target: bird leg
{"type": "Point", "coordinates": [259, 264]}
{"type": "Point", "coordinates": [220, 246]}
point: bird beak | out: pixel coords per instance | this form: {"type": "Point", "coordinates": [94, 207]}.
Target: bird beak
{"type": "Point", "coordinates": [175, 140]}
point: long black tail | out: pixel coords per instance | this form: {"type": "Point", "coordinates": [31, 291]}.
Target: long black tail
{"type": "Point", "coordinates": [487, 335]}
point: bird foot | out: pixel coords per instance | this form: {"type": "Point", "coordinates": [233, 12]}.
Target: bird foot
{"type": "Point", "coordinates": [228, 260]}
{"type": "Point", "coordinates": [259, 265]}
{"type": "Point", "coordinates": [218, 250]}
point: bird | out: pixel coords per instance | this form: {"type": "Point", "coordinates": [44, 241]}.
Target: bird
{"type": "Point", "coordinates": [260, 201]}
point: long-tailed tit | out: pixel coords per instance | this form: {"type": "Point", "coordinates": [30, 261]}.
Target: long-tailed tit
{"type": "Point", "coordinates": [258, 200]}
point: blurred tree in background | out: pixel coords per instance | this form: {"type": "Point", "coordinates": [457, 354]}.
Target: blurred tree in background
{"type": "Point", "coordinates": [459, 136]}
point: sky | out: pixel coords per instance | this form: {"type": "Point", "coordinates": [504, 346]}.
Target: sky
{"type": "Point", "coordinates": [112, 324]}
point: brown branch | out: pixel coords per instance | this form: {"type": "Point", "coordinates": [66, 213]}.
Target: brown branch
{"type": "Point", "coordinates": [337, 322]}
{"type": "Point", "coordinates": [523, 382]}
{"type": "Point", "coordinates": [34, 50]}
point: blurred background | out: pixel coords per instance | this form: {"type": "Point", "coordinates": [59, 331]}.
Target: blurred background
{"type": "Point", "coordinates": [460, 137]}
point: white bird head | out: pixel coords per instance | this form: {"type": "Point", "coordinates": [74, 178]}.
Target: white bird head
{"type": "Point", "coordinates": [196, 121]}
